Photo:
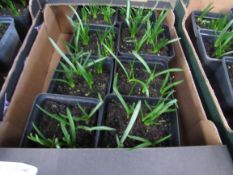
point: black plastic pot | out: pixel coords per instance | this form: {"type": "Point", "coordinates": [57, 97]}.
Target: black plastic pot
{"type": "Point", "coordinates": [103, 26]}
{"type": "Point", "coordinates": [147, 56]}
{"type": "Point", "coordinates": [174, 130]}
{"type": "Point", "coordinates": [108, 64]}
{"type": "Point", "coordinates": [209, 16]}
{"type": "Point", "coordinates": [224, 85]}
{"type": "Point", "coordinates": [23, 23]}
{"type": "Point", "coordinates": [124, 60]}
{"type": "Point", "coordinates": [98, 28]}
{"type": "Point", "coordinates": [35, 114]}
{"type": "Point", "coordinates": [210, 64]}
{"type": "Point", "coordinates": [9, 44]}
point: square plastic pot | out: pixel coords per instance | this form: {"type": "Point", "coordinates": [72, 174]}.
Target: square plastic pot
{"type": "Point", "coordinates": [125, 60]}
{"type": "Point", "coordinates": [209, 16]}
{"type": "Point", "coordinates": [107, 65]}
{"type": "Point", "coordinates": [224, 83]}
{"type": "Point", "coordinates": [210, 64]}
{"type": "Point", "coordinates": [35, 113]}
{"type": "Point", "coordinates": [100, 28]}
{"type": "Point", "coordinates": [9, 43]}
{"type": "Point", "coordinates": [149, 57]}
{"type": "Point", "coordinates": [174, 130]}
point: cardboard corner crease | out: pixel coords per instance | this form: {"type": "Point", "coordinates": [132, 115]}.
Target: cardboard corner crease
{"type": "Point", "coordinates": [42, 61]}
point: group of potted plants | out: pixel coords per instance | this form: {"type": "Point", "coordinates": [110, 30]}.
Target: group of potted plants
{"type": "Point", "coordinates": [214, 33]}
{"type": "Point", "coordinates": [112, 88]}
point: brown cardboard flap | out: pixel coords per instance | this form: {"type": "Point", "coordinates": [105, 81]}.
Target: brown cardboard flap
{"type": "Point", "coordinates": [219, 6]}
{"type": "Point", "coordinates": [43, 61]}
{"type": "Point", "coordinates": [10, 134]}
{"type": "Point", "coordinates": [205, 132]}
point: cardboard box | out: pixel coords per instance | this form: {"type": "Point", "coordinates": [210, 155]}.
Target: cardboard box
{"type": "Point", "coordinates": [196, 129]}
{"type": "Point", "coordinates": [210, 102]}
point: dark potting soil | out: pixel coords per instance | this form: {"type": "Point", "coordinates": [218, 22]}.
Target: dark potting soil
{"type": "Point", "coordinates": [209, 46]}
{"type": "Point", "coordinates": [51, 128]}
{"type": "Point", "coordinates": [116, 117]}
{"type": "Point", "coordinates": [81, 88]}
{"type": "Point", "coordinates": [127, 88]}
{"type": "Point", "coordinates": [92, 45]}
{"type": "Point", "coordinates": [3, 28]}
{"type": "Point", "coordinates": [128, 47]}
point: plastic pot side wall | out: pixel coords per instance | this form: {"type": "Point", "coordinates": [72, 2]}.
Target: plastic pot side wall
{"type": "Point", "coordinates": [9, 44]}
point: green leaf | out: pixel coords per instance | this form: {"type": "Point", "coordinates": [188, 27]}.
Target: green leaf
{"type": "Point", "coordinates": [136, 55]}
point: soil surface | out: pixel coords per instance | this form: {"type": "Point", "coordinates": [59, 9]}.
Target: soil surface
{"type": "Point", "coordinates": [116, 117]}
{"type": "Point", "coordinates": [51, 128]}
{"type": "Point", "coordinates": [127, 88]}
{"type": "Point", "coordinates": [81, 88]}
{"type": "Point", "coordinates": [3, 28]}
{"type": "Point", "coordinates": [128, 47]}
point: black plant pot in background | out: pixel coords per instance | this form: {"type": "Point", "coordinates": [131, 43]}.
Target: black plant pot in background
{"type": "Point", "coordinates": [172, 118]}
{"type": "Point", "coordinates": [148, 56]}
{"type": "Point", "coordinates": [23, 23]}
{"type": "Point", "coordinates": [224, 85]}
{"type": "Point", "coordinates": [124, 86]}
{"type": "Point", "coordinates": [61, 101]}
{"type": "Point", "coordinates": [107, 65]}
{"type": "Point", "coordinates": [9, 44]}
{"type": "Point", "coordinates": [209, 16]}
{"type": "Point", "coordinates": [205, 43]}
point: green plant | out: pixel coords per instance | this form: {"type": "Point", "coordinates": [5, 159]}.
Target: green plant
{"type": "Point", "coordinates": [68, 128]}
{"type": "Point", "coordinates": [218, 24]}
{"type": "Point", "coordinates": [163, 106]}
{"type": "Point", "coordinates": [136, 17]}
{"type": "Point", "coordinates": [23, 2]}
{"type": "Point", "coordinates": [224, 41]}
{"type": "Point", "coordinates": [107, 12]}
{"type": "Point", "coordinates": [78, 65]}
{"type": "Point", "coordinates": [10, 4]}
{"type": "Point", "coordinates": [147, 143]}
{"type": "Point", "coordinates": [107, 38]}
{"type": "Point", "coordinates": [154, 34]}
{"type": "Point", "coordinates": [204, 12]}
{"type": "Point", "coordinates": [81, 31]}
{"type": "Point", "coordinates": [120, 140]}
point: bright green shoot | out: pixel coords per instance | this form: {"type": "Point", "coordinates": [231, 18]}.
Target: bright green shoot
{"type": "Point", "coordinates": [120, 140]}
{"type": "Point", "coordinates": [10, 4]}
{"type": "Point", "coordinates": [144, 143]}
{"type": "Point", "coordinates": [204, 12]}
{"type": "Point", "coordinates": [223, 43]}
{"type": "Point", "coordinates": [218, 24]}
{"type": "Point", "coordinates": [107, 12]}
{"type": "Point", "coordinates": [128, 108]}
{"type": "Point", "coordinates": [162, 107]}
{"type": "Point", "coordinates": [78, 65]}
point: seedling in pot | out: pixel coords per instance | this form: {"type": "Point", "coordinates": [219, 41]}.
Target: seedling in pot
{"type": "Point", "coordinates": [69, 127]}
{"type": "Point", "coordinates": [101, 15]}
{"type": "Point", "coordinates": [211, 21]}
{"type": "Point", "coordinates": [135, 18]}
{"type": "Point", "coordinates": [223, 45]}
{"type": "Point", "coordinates": [139, 78]}
{"type": "Point", "coordinates": [131, 132]}
{"type": "Point", "coordinates": [11, 5]}
{"type": "Point", "coordinates": [79, 72]}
